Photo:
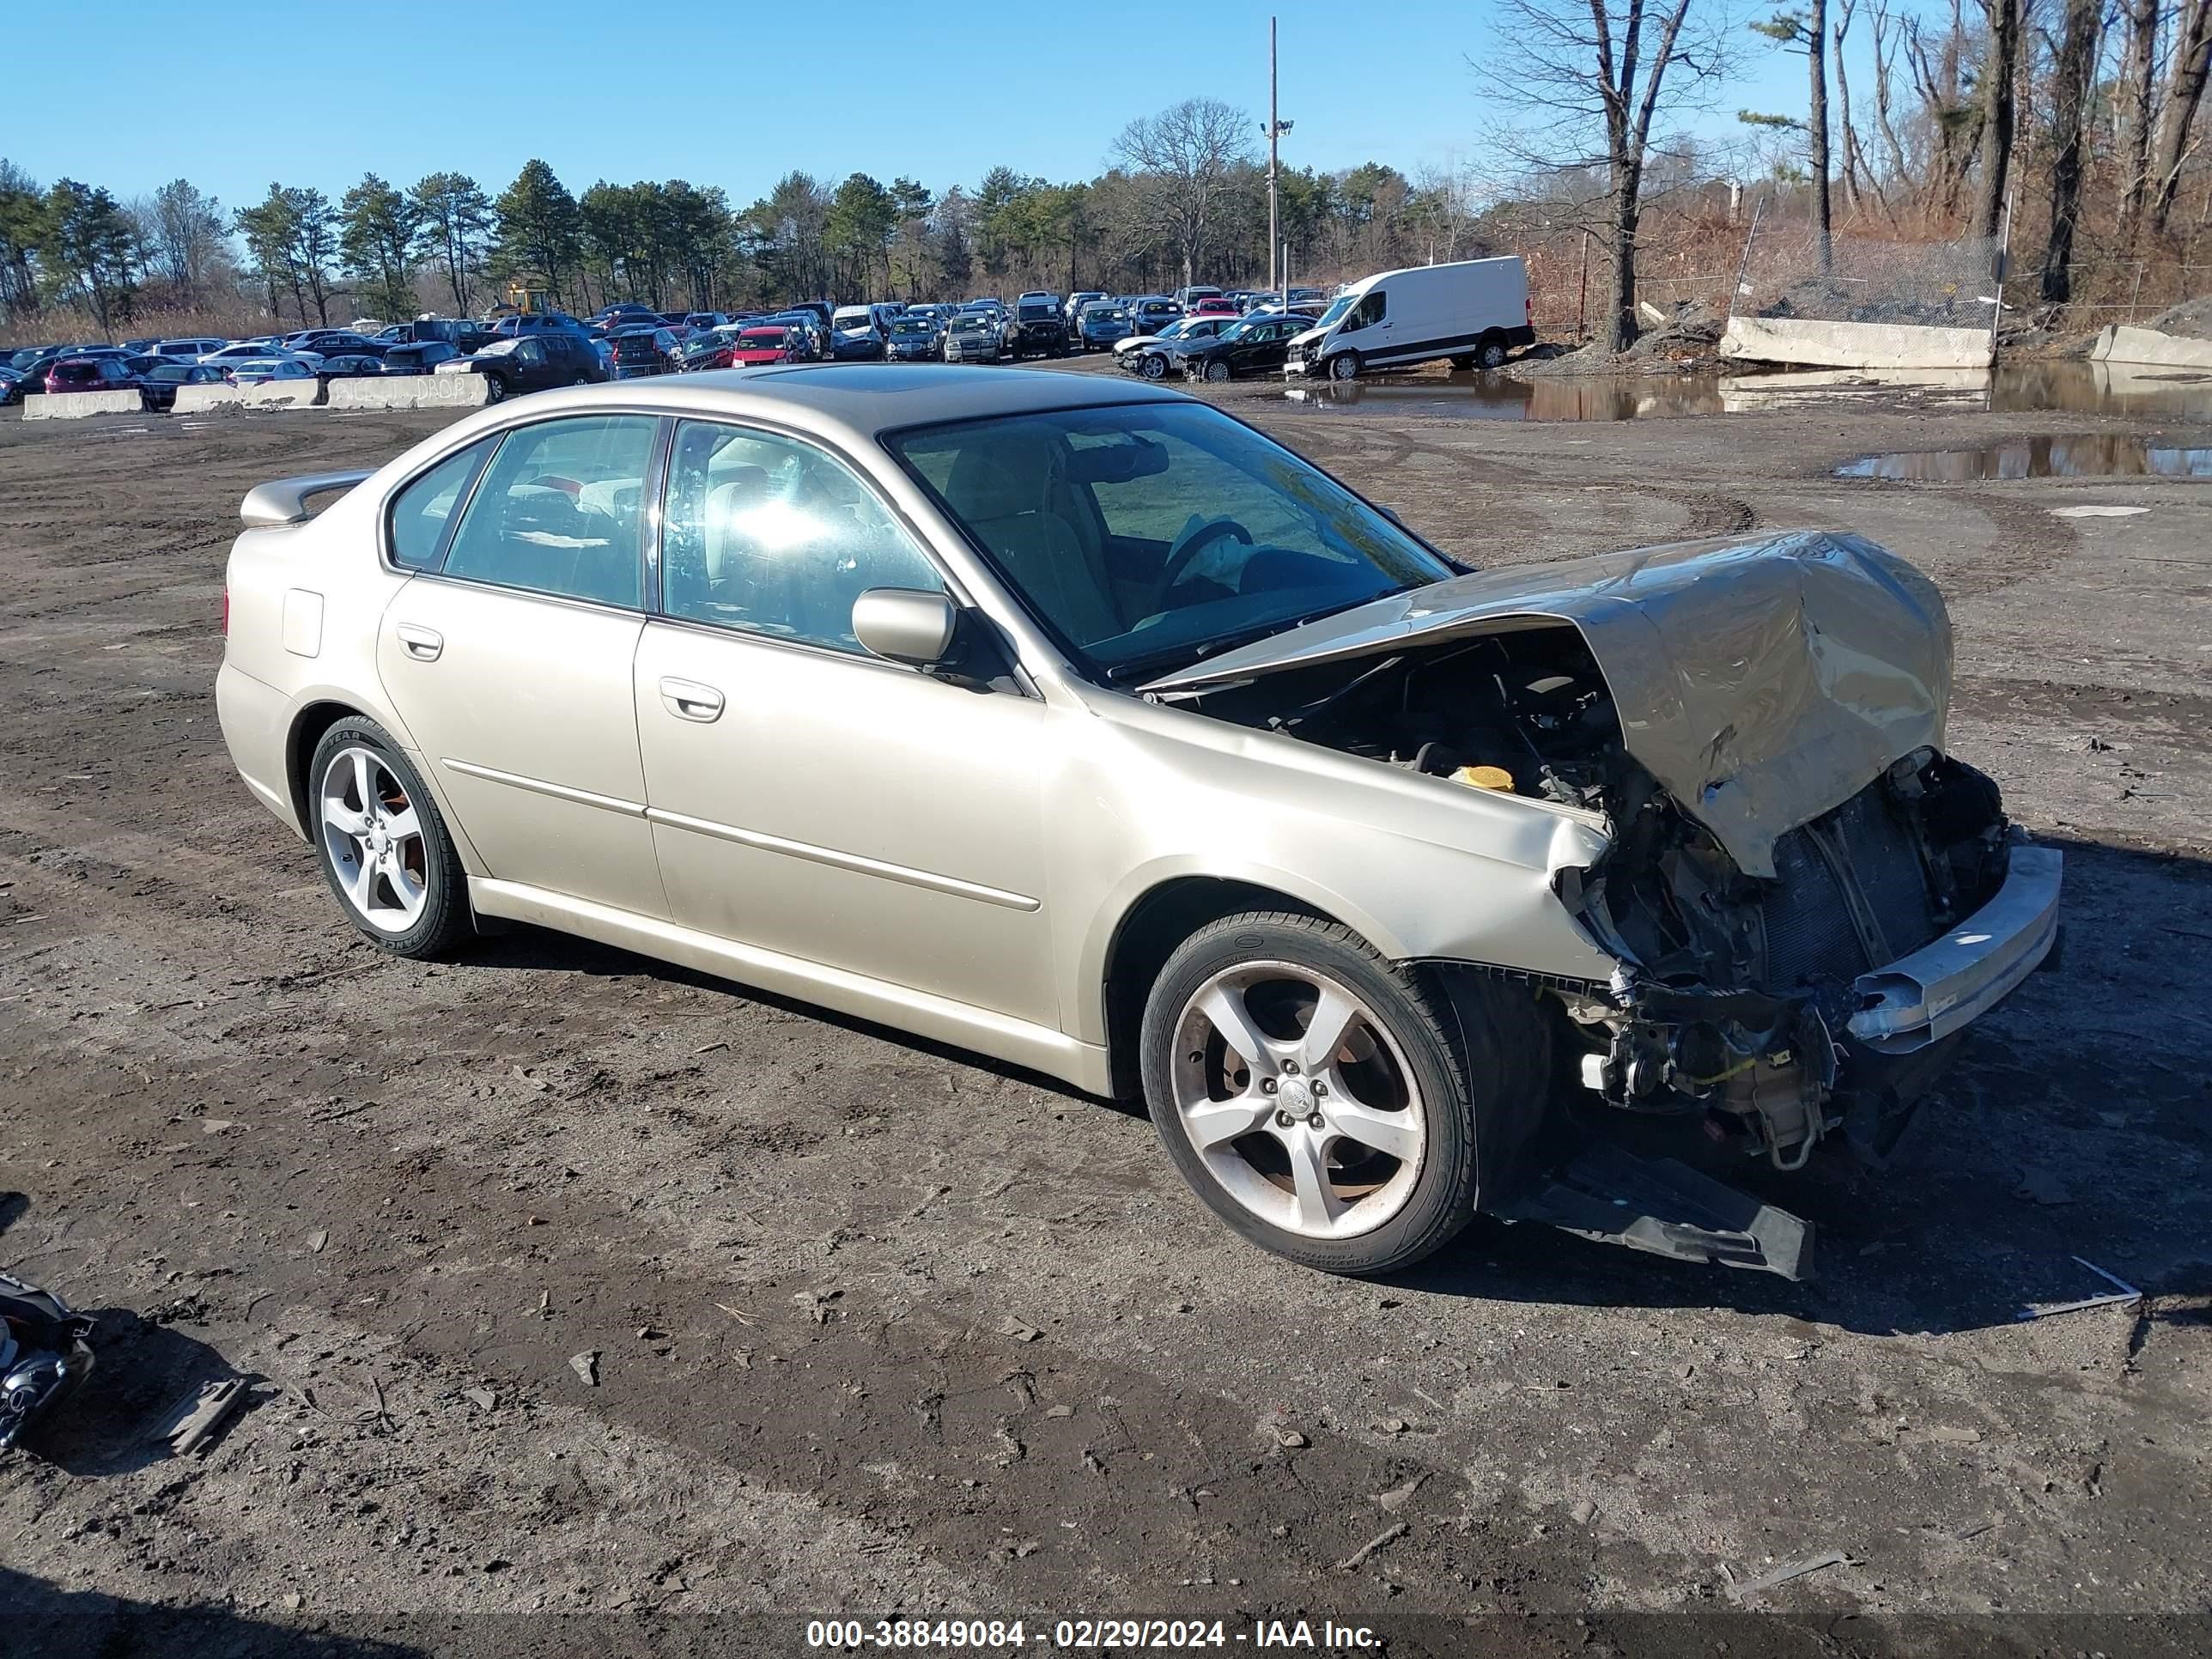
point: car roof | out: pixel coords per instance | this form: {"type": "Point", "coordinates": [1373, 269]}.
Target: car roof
{"type": "Point", "coordinates": [858, 402]}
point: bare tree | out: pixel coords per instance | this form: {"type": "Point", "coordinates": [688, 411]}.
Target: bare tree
{"type": "Point", "coordinates": [2138, 97]}
{"type": "Point", "coordinates": [1591, 74]}
{"type": "Point", "coordinates": [2000, 70]}
{"type": "Point", "coordinates": [1807, 32]}
{"type": "Point", "coordinates": [1884, 67]}
{"type": "Point", "coordinates": [2184, 90]}
{"type": "Point", "coordinates": [2074, 74]}
{"type": "Point", "coordinates": [1859, 178]}
{"type": "Point", "coordinates": [1184, 157]}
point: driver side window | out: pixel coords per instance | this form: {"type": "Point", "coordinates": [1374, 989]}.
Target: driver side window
{"type": "Point", "coordinates": [1369, 312]}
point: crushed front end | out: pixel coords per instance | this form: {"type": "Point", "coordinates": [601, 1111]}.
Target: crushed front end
{"type": "Point", "coordinates": [1806, 899]}
{"type": "Point", "coordinates": [1822, 999]}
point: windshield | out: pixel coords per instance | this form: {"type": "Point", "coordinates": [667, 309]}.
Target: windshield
{"type": "Point", "coordinates": [912, 325]}
{"type": "Point", "coordinates": [761, 339]}
{"type": "Point", "coordinates": [847, 322]}
{"type": "Point", "coordinates": [501, 348]}
{"type": "Point", "coordinates": [1149, 536]}
{"type": "Point", "coordinates": [1103, 313]}
{"type": "Point", "coordinates": [1335, 314]}
{"type": "Point", "coordinates": [1037, 309]}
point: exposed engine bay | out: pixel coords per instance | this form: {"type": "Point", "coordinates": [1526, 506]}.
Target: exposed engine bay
{"type": "Point", "coordinates": [1736, 988]}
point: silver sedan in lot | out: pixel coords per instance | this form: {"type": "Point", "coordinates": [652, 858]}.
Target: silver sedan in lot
{"type": "Point", "coordinates": [1085, 727]}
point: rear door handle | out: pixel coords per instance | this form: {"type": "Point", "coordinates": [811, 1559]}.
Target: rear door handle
{"type": "Point", "coordinates": [688, 699]}
{"type": "Point", "coordinates": [423, 644]}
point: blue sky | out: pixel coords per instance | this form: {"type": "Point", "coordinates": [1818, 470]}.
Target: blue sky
{"type": "Point", "coordinates": [717, 94]}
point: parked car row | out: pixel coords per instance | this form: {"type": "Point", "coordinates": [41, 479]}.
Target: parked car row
{"type": "Point", "coordinates": [1472, 312]}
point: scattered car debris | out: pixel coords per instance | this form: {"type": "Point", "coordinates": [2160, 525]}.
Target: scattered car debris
{"type": "Point", "coordinates": [482, 1399]}
{"type": "Point", "coordinates": [1795, 1569]}
{"type": "Point", "coordinates": [192, 1424]}
{"type": "Point", "coordinates": [1351, 1562]}
{"type": "Point", "coordinates": [317, 1239]}
{"type": "Point", "coordinates": [2124, 1292]}
{"type": "Point", "coordinates": [2094, 511]}
{"type": "Point", "coordinates": [1398, 1496]}
{"type": "Point", "coordinates": [46, 1354]}
{"type": "Point", "coordinates": [587, 1365]}
{"type": "Point", "coordinates": [1013, 1327]}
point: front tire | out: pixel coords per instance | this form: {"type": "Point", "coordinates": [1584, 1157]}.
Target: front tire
{"type": "Point", "coordinates": [383, 847]}
{"type": "Point", "coordinates": [1346, 1112]}
{"type": "Point", "coordinates": [496, 389]}
{"type": "Point", "coordinates": [1155, 366]}
{"type": "Point", "coordinates": [1217, 374]}
{"type": "Point", "coordinates": [1344, 366]}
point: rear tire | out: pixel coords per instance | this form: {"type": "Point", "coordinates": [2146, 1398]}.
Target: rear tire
{"type": "Point", "coordinates": [382, 844]}
{"type": "Point", "coordinates": [1491, 354]}
{"type": "Point", "coordinates": [1450, 1074]}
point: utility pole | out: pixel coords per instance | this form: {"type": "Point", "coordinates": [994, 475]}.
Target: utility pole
{"type": "Point", "coordinates": [1275, 129]}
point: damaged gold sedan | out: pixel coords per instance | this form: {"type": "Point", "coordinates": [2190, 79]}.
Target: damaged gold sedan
{"type": "Point", "coordinates": [1087, 727]}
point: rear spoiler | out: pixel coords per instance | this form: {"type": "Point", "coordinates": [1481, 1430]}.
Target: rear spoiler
{"type": "Point", "coordinates": [284, 500]}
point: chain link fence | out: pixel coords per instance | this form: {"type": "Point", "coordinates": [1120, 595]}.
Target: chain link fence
{"type": "Point", "coordinates": [1864, 279]}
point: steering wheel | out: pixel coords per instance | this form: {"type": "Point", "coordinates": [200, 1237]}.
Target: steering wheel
{"type": "Point", "coordinates": [1185, 552]}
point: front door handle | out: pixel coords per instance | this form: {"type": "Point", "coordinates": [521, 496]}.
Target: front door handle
{"type": "Point", "coordinates": [688, 699]}
{"type": "Point", "coordinates": [423, 644]}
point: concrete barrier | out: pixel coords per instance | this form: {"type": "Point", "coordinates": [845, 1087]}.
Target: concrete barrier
{"type": "Point", "coordinates": [2135, 345]}
{"type": "Point", "coordinates": [198, 400]}
{"type": "Point", "coordinates": [1855, 345]}
{"type": "Point", "coordinates": [412, 392]}
{"type": "Point", "coordinates": [76, 405]}
{"type": "Point", "coordinates": [282, 394]}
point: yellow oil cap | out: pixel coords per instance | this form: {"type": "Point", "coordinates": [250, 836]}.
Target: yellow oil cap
{"type": "Point", "coordinates": [1486, 777]}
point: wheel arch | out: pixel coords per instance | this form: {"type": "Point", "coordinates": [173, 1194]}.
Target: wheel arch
{"type": "Point", "coordinates": [311, 720]}
{"type": "Point", "coordinates": [1146, 934]}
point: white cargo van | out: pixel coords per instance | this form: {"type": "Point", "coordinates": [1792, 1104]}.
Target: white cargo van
{"type": "Point", "coordinates": [1472, 312]}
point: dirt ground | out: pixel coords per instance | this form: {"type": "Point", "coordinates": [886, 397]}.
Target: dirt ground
{"type": "Point", "coordinates": [884, 1331]}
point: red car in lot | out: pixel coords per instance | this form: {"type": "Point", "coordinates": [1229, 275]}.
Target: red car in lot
{"type": "Point", "coordinates": [90, 375]}
{"type": "Point", "coordinates": [1214, 305]}
{"type": "Point", "coordinates": [770, 345]}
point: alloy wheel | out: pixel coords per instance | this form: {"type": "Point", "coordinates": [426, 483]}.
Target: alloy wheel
{"type": "Point", "coordinates": [373, 837]}
{"type": "Point", "coordinates": [1299, 1100]}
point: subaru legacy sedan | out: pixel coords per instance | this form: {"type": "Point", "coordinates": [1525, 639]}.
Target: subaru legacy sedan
{"type": "Point", "coordinates": [1084, 727]}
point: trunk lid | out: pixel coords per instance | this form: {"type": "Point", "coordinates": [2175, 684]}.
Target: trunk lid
{"type": "Point", "coordinates": [1762, 680]}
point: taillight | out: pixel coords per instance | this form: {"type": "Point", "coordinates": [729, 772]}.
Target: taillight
{"type": "Point", "coordinates": [226, 611]}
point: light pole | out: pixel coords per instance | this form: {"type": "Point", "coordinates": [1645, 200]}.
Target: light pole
{"type": "Point", "coordinates": [1275, 128]}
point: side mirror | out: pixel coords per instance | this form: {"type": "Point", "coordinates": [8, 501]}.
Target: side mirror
{"type": "Point", "coordinates": [1391, 513]}
{"type": "Point", "coordinates": [905, 624]}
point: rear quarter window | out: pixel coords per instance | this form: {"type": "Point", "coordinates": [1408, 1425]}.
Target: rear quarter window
{"type": "Point", "coordinates": [422, 512]}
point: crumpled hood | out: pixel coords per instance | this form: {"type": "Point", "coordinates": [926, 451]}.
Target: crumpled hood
{"type": "Point", "coordinates": [1762, 680]}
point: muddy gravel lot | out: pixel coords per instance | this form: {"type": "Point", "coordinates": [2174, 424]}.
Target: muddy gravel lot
{"type": "Point", "coordinates": [879, 1330]}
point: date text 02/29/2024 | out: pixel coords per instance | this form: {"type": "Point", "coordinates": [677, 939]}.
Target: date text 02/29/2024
{"type": "Point", "coordinates": [1082, 1635]}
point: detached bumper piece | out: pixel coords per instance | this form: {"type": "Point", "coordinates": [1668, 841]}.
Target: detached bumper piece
{"type": "Point", "coordinates": [1941, 987]}
{"type": "Point", "coordinates": [45, 1355]}
{"type": "Point", "coordinates": [1667, 1208]}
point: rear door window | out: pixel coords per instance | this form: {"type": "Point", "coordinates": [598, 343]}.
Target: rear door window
{"type": "Point", "coordinates": [559, 511]}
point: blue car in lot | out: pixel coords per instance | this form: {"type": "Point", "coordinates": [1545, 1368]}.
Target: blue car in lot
{"type": "Point", "coordinates": [1100, 325]}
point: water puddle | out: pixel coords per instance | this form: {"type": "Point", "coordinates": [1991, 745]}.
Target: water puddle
{"type": "Point", "coordinates": [2097, 455]}
{"type": "Point", "coordinates": [2073, 388]}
